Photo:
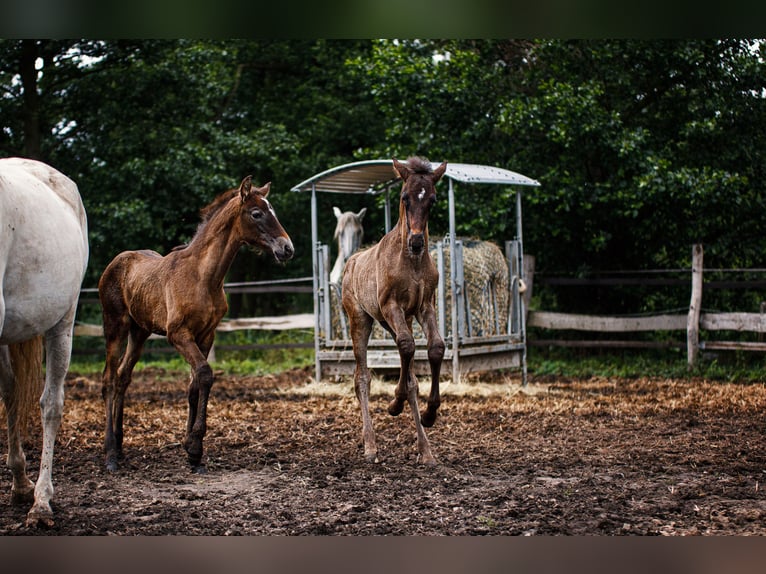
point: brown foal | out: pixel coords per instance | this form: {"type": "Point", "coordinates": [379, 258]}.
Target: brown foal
{"type": "Point", "coordinates": [392, 282]}
{"type": "Point", "coordinates": [181, 296]}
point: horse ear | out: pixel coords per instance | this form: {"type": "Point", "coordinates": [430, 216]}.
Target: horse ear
{"type": "Point", "coordinates": [245, 187]}
{"type": "Point", "coordinates": [336, 211]}
{"type": "Point", "coordinates": [264, 190]}
{"type": "Point", "coordinates": [401, 169]}
{"type": "Point", "coordinates": [439, 171]}
{"type": "Point", "coordinates": [361, 213]}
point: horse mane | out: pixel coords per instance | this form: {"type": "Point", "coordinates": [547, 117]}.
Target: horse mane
{"type": "Point", "coordinates": [419, 164]}
{"type": "Point", "coordinates": [207, 212]}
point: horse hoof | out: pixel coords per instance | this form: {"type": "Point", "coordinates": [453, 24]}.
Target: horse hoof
{"type": "Point", "coordinates": [427, 418]}
{"type": "Point", "coordinates": [22, 497]}
{"type": "Point", "coordinates": [199, 469]}
{"type": "Point", "coordinates": [111, 465]}
{"type": "Point", "coordinates": [372, 457]}
{"type": "Point", "coordinates": [395, 407]}
{"type": "Point", "coordinates": [39, 519]}
{"type": "Point", "coordinates": [430, 461]}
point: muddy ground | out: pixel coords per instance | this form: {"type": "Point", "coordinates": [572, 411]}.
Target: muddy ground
{"type": "Point", "coordinates": [284, 457]}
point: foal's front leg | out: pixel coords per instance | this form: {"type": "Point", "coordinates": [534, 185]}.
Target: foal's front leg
{"type": "Point", "coordinates": [199, 392]}
{"type": "Point", "coordinates": [407, 387]}
{"type": "Point", "coordinates": [405, 342]}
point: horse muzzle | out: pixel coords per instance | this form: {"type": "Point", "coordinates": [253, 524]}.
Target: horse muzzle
{"type": "Point", "coordinates": [283, 250]}
{"type": "Point", "coordinates": [416, 242]}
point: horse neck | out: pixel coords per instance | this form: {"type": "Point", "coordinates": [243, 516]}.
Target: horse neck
{"type": "Point", "coordinates": [347, 243]}
{"type": "Point", "coordinates": [216, 243]}
{"type": "Point", "coordinates": [337, 269]}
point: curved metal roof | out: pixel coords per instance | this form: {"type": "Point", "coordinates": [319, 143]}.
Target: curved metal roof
{"type": "Point", "coordinates": [376, 175]}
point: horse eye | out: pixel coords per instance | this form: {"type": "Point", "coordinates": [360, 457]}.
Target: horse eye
{"type": "Point", "coordinates": [256, 214]}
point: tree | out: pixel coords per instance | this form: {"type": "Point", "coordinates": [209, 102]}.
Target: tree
{"type": "Point", "coordinates": [643, 148]}
{"type": "Point", "coordinates": [152, 130]}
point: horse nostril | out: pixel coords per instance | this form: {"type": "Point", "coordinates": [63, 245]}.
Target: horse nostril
{"type": "Point", "coordinates": [289, 251]}
{"type": "Point", "coordinates": [417, 241]}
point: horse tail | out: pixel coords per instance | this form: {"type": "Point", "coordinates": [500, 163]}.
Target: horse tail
{"type": "Point", "coordinates": [27, 366]}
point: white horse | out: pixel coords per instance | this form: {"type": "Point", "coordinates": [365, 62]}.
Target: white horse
{"type": "Point", "coordinates": [43, 255]}
{"type": "Point", "coordinates": [349, 233]}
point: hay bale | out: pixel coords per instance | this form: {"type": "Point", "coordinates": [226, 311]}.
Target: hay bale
{"type": "Point", "coordinates": [485, 271]}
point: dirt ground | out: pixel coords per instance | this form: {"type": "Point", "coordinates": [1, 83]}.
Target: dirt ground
{"type": "Point", "coordinates": [284, 457]}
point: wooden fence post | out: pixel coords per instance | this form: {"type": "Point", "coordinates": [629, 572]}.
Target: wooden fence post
{"type": "Point", "coordinates": [693, 318]}
{"type": "Point", "coordinates": [529, 279]}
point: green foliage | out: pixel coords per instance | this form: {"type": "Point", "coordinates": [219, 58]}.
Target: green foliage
{"type": "Point", "coordinates": [634, 143]}
{"type": "Point", "coordinates": [642, 147]}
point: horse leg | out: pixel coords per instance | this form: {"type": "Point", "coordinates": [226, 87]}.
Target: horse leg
{"type": "Point", "coordinates": [136, 339]}
{"type": "Point", "coordinates": [116, 325]}
{"type": "Point", "coordinates": [405, 342]}
{"type": "Point", "coordinates": [58, 352]}
{"type": "Point", "coordinates": [424, 447]}
{"type": "Point", "coordinates": [407, 390]}
{"type": "Point", "coordinates": [22, 491]}
{"type": "Point", "coordinates": [198, 394]}
{"type": "Point", "coordinates": [436, 349]}
{"type": "Point", "coordinates": [361, 327]}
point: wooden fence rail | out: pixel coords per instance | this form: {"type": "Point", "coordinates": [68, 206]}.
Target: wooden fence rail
{"type": "Point", "coordinates": [692, 322]}
{"type": "Point", "coordinates": [273, 323]}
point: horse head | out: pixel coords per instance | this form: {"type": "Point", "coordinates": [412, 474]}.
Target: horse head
{"type": "Point", "coordinates": [417, 198]}
{"type": "Point", "coordinates": [349, 231]}
{"type": "Point", "coordinates": [260, 226]}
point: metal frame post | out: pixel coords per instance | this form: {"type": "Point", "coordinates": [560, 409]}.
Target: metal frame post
{"type": "Point", "coordinates": [453, 284]}
{"type": "Point", "coordinates": [315, 265]}
{"type": "Point", "coordinates": [522, 311]}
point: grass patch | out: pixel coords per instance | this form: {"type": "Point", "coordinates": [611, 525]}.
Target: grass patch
{"type": "Point", "coordinates": [726, 366]}
{"type": "Point", "coordinates": [274, 352]}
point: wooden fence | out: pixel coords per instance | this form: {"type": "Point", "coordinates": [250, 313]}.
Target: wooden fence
{"type": "Point", "coordinates": [274, 323]}
{"type": "Point", "coordinates": [692, 322]}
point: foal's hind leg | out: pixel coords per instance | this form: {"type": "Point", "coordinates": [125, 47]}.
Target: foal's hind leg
{"type": "Point", "coordinates": [136, 340]}
{"type": "Point", "coordinates": [361, 327]}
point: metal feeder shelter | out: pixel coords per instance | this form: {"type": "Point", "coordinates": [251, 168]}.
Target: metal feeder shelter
{"type": "Point", "coordinates": [466, 350]}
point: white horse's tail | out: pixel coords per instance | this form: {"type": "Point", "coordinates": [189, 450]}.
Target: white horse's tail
{"type": "Point", "coordinates": [27, 365]}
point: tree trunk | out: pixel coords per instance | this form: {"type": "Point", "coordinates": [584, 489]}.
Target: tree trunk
{"type": "Point", "coordinates": [31, 107]}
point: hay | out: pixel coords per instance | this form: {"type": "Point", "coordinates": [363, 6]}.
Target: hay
{"type": "Point", "coordinates": [485, 272]}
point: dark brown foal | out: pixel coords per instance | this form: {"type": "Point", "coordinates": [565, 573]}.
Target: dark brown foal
{"type": "Point", "coordinates": [181, 296]}
{"type": "Point", "coordinates": [391, 283]}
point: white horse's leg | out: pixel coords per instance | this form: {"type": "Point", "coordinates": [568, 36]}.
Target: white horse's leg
{"type": "Point", "coordinates": [23, 488]}
{"type": "Point", "coordinates": [58, 350]}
